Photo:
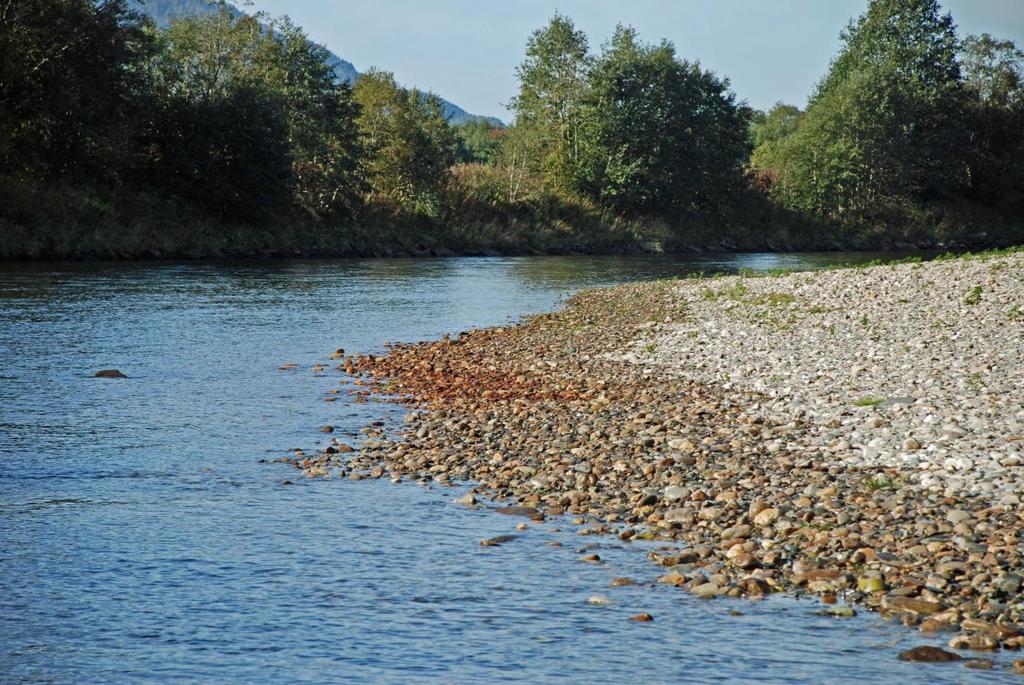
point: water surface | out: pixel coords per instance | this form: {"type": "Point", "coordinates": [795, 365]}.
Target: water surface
{"type": "Point", "coordinates": [142, 541]}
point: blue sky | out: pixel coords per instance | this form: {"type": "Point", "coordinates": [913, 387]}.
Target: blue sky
{"type": "Point", "coordinates": [467, 50]}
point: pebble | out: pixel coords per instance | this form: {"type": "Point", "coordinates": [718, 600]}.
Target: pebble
{"type": "Point", "coordinates": [775, 481]}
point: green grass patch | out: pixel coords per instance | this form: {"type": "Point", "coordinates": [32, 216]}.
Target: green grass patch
{"type": "Point", "coordinates": [973, 297]}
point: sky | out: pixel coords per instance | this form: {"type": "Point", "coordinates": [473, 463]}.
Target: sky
{"type": "Point", "coordinates": [466, 51]}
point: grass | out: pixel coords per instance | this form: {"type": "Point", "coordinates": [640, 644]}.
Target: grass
{"type": "Point", "coordinates": [881, 483]}
{"type": "Point", "coordinates": [773, 299]}
{"type": "Point", "coordinates": [973, 297]}
{"type": "Point", "coordinates": [868, 402]}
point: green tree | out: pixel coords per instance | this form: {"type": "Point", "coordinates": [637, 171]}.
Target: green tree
{"type": "Point", "coordinates": [549, 108]}
{"type": "Point", "coordinates": [478, 141]}
{"type": "Point", "coordinates": [767, 132]}
{"type": "Point", "coordinates": [993, 70]}
{"type": "Point", "coordinates": [322, 126]}
{"type": "Point", "coordinates": [409, 145]}
{"type": "Point", "coordinates": [993, 73]}
{"type": "Point", "coordinates": [228, 154]}
{"type": "Point", "coordinates": [885, 125]}
{"type": "Point", "coordinates": [665, 136]}
{"type": "Point", "coordinates": [222, 61]}
{"type": "Point", "coordinates": [70, 74]}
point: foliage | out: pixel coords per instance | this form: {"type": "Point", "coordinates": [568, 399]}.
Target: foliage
{"type": "Point", "coordinates": [268, 75]}
{"type": "Point", "coordinates": [767, 131]}
{"type": "Point", "coordinates": [408, 142]}
{"type": "Point", "coordinates": [993, 73]}
{"type": "Point", "coordinates": [549, 139]}
{"type": "Point", "coordinates": [223, 133]}
{"type": "Point", "coordinates": [664, 136]}
{"type": "Point", "coordinates": [885, 126]}
{"type": "Point", "coordinates": [69, 75]}
{"type": "Point", "coordinates": [478, 141]}
{"type": "Point", "coordinates": [993, 70]}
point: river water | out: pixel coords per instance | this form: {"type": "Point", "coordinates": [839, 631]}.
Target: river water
{"type": "Point", "coordinates": [141, 539]}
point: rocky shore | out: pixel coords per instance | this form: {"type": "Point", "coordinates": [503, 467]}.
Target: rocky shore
{"type": "Point", "coordinates": [856, 434]}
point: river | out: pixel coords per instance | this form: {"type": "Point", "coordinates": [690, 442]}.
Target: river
{"type": "Point", "coordinates": [142, 539]}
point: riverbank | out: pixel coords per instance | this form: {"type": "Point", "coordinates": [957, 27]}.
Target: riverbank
{"type": "Point", "coordinates": [64, 221]}
{"type": "Point", "coordinates": [632, 410]}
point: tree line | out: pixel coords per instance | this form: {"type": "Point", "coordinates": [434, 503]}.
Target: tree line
{"type": "Point", "coordinates": [907, 116]}
{"type": "Point", "coordinates": [243, 118]}
{"type": "Point", "coordinates": [241, 115]}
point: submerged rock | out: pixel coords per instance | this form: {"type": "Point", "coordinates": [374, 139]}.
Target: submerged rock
{"type": "Point", "coordinates": [499, 540]}
{"type": "Point", "coordinates": [929, 654]}
{"type": "Point", "coordinates": [467, 500]}
{"type": "Point", "coordinates": [528, 512]}
{"type": "Point", "coordinates": [109, 373]}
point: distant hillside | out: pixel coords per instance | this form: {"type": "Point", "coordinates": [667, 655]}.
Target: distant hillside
{"type": "Point", "coordinates": [163, 11]}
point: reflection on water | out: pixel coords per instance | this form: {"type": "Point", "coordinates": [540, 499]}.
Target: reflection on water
{"type": "Point", "coordinates": [141, 540]}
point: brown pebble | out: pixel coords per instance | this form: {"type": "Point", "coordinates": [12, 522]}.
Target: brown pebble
{"type": "Point", "coordinates": [620, 582]}
{"type": "Point", "coordinates": [642, 618]}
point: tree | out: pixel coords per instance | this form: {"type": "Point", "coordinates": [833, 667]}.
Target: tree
{"type": "Point", "coordinates": [409, 145]}
{"type": "Point", "coordinates": [70, 72]}
{"type": "Point", "coordinates": [322, 125]}
{"type": "Point", "coordinates": [549, 107]}
{"type": "Point", "coordinates": [885, 125]}
{"type": "Point", "coordinates": [478, 140]}
{"type": "Point", "coordinates": [219, 63]}
{"type": "Point", "coordinates": [993, 73]}
{"type": "Point", "coordinates": [665, 135]}
{"type": "Point", "coordinates": [993, 70]}
{"type": "Point", "coordinates": [767, 132]}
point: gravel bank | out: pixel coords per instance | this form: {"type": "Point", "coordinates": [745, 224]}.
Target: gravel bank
{"type": "Point", "coordinates": [762, 428]}
{"type": "Point", "coordinates": [918, 367]}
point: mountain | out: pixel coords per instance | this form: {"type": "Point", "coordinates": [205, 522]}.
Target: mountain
{"type": "Point", "coordinates": [163, 11]}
